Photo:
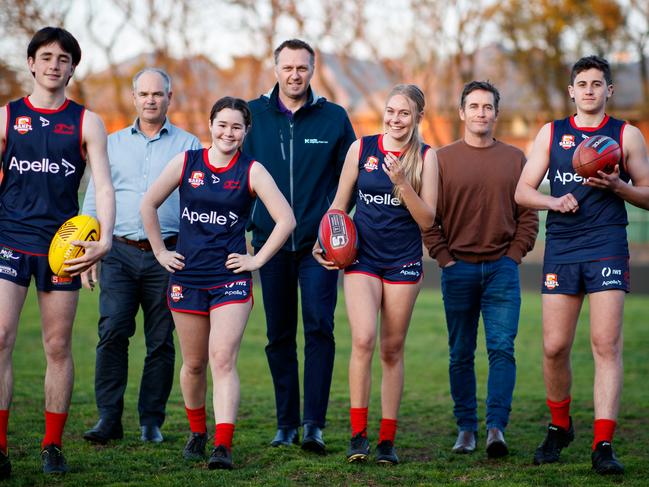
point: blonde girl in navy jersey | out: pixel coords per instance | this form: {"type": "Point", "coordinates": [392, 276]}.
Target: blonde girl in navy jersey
{"type": "Point", "coordinates": [210, 289]}
{"type": "Point", "coordinates": [395, 177]}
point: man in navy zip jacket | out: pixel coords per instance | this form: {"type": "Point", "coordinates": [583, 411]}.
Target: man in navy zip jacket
{"type": "Point", "coordinates": [302, 140]}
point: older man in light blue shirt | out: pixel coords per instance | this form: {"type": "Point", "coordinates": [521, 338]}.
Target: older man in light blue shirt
{"type": "Point", "coordinates": [130, 274]}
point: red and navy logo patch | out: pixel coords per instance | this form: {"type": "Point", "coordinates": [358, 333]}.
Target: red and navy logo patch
{"type": "Point", "coordinates": [196, 179]}
{"type": "Point", "coordinates": [176, 293]}
{"type": "Point", "coordinates": [567, 141]}
{"type": "Point", "coordinates": [371, 164]}
{"type": "Point", "coordinates": [23, 125]}
{"type": "Point", "coordinates": [551, 281]}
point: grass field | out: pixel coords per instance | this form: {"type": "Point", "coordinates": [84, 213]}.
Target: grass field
{"type": "Point", "coordinates": [426, 426]}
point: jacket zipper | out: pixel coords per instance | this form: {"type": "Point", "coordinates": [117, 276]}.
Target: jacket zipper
{"type": "Point", "coordinates": [290, 165]}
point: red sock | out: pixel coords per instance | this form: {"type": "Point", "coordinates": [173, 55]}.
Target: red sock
{"type": "Point", "coordinates": [54, 424]}
{"type": "Point", "coordinates": [223, 434]}
{"type": "Point", "coordinates": [560, 412]}
{"type": "Point", "coordinates": [197, 419]}
{"type": "Point", "coordinates": [4, 421]}
{"type": "Point", "coordinates": [358, 420]}
{"type": "Point", "coordinates": [604, 429]}
{"type": "Point", "coordinates": [388, 430]}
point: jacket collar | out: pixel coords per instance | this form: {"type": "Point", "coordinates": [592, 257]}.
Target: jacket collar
{"type": "Point", "coordinates": [313, 98]}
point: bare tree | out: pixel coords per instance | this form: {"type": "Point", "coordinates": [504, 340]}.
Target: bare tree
{"type": "Point", "coordinates": [637, 35]}
{"type": "Point", "coordinates": [538, 35]}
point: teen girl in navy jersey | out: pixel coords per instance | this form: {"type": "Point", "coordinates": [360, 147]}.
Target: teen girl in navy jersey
{"type": "Point", "coordinates": [395, 177]}
{"type": "Point", "coordinates": [210, 289]}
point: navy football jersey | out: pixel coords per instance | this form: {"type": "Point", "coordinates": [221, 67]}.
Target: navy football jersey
{"type": "Point", "coordinates": [214, 209]}
{"type": "Point", "coordinates": [598, 229]}
{"type": "Point", "coordinates": [42, 163]}
{"type": "Point", "coordinates": [387, 233]}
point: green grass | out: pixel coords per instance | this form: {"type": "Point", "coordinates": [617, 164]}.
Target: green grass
{"type": "Point", "coordinates": [426, 425]}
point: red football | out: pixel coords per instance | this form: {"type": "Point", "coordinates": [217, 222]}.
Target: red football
{"type": "Point", "coordinates": [596, 153]}
{"type": "Point", "coordinates": [338, 238]}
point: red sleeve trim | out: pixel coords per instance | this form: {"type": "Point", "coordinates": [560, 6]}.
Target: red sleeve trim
{"type": "Point", "coordinates": [551, 137]}
{"type": "Point", "coordinates": [182, 173]}
{"type": "Point", "coordinates": [4, 146]}
{"type": "Point", "coordinates": [250, 190]}
{"type": "Point", "coordinates": [622, 146]}
{"type": "Point", "coordinates": [81, 151]}
{"type": "Point", "coordinates": [360, 150]}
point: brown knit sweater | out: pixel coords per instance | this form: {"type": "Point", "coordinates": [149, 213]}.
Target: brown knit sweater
{"type": "Point", "coordinates": [477, 217]}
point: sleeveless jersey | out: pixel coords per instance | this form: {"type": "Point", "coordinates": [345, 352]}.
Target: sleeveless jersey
{"type": "Point", "coordinates": [214, 209]}
{"type": "Point", "coordinates": [598, 229]}
{"type": "Point", "coordinates": [387, 233]}
{"type": "Point", "coordinates": [42, 163]}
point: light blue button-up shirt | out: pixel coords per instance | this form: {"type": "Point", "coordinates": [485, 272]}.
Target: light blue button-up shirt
{"type": "Point", "coordinates": [136, 161]}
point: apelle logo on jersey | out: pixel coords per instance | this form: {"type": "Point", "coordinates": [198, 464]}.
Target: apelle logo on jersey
{"type": "Point", "coordinates": [23, 125]}
{"type": "Point", "coordinates": [379, 199]}
{"type": "Point", "coordinates": [212, 217]}
{"type": "Point", "coordinates": [43, 166]}
{"type": "Point", "coordinates": [567, 141]}
{"type": "Point", "coordinates": [196, 179]}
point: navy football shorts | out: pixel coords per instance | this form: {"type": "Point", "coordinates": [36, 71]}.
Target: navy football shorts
{"type": "Point", "coordinates": [409, 273]}
{"type": "Point", "coordinates": [586, 277]}
{"type": "Point", "coordinates": [19, 267]}
{"type": "Point", "coordinates": [201, 301]}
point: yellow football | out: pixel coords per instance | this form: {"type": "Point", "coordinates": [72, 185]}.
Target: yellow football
{"type": "Point", "coordinates": [80, 227]}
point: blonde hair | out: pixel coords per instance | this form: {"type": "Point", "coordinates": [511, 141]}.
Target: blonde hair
{"type": "Point", "coordinates": [411, 158]}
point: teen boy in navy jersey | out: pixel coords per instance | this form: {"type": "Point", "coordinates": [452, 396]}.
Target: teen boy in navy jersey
{"type": "Point", "coordinates": [586, 252]}
{"type": "Point", "coordinates": [46, 145]}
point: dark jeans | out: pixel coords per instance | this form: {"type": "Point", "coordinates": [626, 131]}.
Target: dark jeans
{"type": "Point", "coordinates": [130, 278]}
{"type": "Point", "coordinates": [280, 278]}
{"type": "Point", "coordinates": [494, 289]}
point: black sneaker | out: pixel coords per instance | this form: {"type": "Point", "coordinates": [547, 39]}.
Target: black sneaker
{"type": "Point", "coordinates": [195, 446]}
{"type": "Point", "coordinates": [556, 439]}
{"type": "Point", "coordinates": [220, 458]}
{"type": "Point", "coordinates": [359, 448]}
{"type": "Point", "coordinates": [5, 466]}
{"type": "Point", "coordinates": [385, 453]}
{"type": "Point", "coordinates": [604, 460]}
{"type": "Point", "coordinates": [53, 460]}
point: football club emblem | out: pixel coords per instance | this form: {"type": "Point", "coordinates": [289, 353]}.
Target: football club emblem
{"type": "Point", "coordinates": [23, 125]}
{"type": "Point", "coordinates": [196, 179]}
{"type": "Point", "coordinates": [176, 293]}
{"type": "Point", "coordinates": [371, 164]}
{"type": "Point", "coordinates": [567, 141]}
{"type": "Point", "coordinates": [551, 281]}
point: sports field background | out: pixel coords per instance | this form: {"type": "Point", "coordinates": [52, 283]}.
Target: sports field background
{"type": "Point", "coordinates": [426, 427]}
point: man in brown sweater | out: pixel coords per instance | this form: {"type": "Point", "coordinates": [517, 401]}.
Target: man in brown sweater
{"type": "Point", "coordinates": [479, 237]}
